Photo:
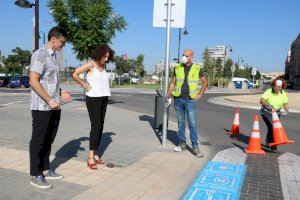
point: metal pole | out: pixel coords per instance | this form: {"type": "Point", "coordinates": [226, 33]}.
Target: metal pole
{"type": "Point", "coordinates": [168, 21]}
{"type": "Point", "coordinates": [36, 25]}
{"type": "Point", "coordinates": [179, 39]}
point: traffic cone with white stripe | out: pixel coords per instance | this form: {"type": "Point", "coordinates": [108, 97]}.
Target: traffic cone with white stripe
{"type": "Point", "coordinates": [254, 141]}
{"type": "Point", "coordinates": [278, 132]}
{"type": "Point", "coordinates": [235, 128]}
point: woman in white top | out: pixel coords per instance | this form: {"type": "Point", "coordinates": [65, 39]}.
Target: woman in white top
{"type": "Point", "coordinates": [97, 87]}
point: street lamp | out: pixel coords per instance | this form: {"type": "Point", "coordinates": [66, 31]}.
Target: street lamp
{"type": "Point", "coordinates": [26, 4]}
{"type": "Point", "coordinates": [43, 36]}
{"type": "Point", "coordinates": [179, 39]}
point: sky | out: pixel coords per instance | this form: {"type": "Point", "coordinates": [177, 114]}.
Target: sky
{"type": "Point", "coordinates": [260, 32]}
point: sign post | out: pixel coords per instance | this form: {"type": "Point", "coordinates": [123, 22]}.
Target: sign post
{"type": "Point", "coordinates": [253, 73]}
{"type": "Point", "coordinates": [162, 13]}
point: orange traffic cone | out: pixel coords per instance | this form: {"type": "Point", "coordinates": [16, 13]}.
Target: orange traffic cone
{"type": "Point", "coordinates": [235, 128]}
{"type": "Point", "coordinates": [254, 141]}
{"type": "Point", "coordinates": [278, 132]}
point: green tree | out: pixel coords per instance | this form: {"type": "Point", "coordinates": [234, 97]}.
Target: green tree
{"type": "Point", "coordinates": [15, 63]}
{"type": "Point", "coordinates": [207, 63]}
{"type": "Point", "coordinates": [218, 68]}
{"type": "Point", "coordinates": [227, 69]}
{"type": "Point", "coordinates": [139, 65]}
{"type": "Point", "coordinates": [87, 22]}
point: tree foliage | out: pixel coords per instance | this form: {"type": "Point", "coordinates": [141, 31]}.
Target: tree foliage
{"type": "Point", "coordinates": [122, 65]}
{"type": "Point", "coordinates": [17, 61]}
{"type": "Point", "coordinates": [227, 70]}
{"type": "Point", "coordinates": [218, 68]}
{"type": "Point", "coordinates": [87, 22]}
{"type": "Point", "coordinates": [131, 65]}
{"type": "Point", "coordinates": [207, 63]}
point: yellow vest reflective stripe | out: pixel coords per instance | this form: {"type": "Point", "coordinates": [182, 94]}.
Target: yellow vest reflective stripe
{"type": "Point", "coordinates": [193, 80]}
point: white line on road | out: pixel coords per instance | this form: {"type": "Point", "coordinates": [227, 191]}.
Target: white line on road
{"type": "Point", "coordinates": [15, 102]}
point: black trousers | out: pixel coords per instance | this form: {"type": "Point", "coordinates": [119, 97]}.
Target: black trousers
{"type": "Point", "coordinates": [267, 117]}
{"type": "Point", "coordinates": [44, 128]}
{"type": "Point", "coordinates": [97, 108]}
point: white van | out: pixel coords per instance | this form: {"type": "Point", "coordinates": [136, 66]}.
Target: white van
{"type": "Point", "coordinates": [238, 83]}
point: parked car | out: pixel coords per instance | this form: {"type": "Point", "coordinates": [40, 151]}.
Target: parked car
{"type": "Point", "coordinates": [19, 81]}
{"type": "Point", "coordinates": [135, 79]}
{"type": "Point", "coordinates": [4, 80]}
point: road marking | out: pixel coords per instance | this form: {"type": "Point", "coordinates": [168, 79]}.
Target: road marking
{"type": "Point", "coordinates": [218, 180]}
{"type": "Point", "coordinates": [289, 170]}
{"type": "Point", "coordinates": [222, 178]}
{"type": "Point", "coordinates": [15, 102]}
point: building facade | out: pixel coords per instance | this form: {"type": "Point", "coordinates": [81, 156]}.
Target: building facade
{"type": "Point", "coordinates": [292, 64]}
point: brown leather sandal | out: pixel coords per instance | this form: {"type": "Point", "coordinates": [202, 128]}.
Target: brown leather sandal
{"type": "Point", "coordinates": [92, 166]}
{"type": "Point", "coordinates": [99, 162]}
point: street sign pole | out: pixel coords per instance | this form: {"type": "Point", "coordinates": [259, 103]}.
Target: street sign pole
{"type": "Point", "coordinates": [176, 10]}
{"type": "Point", "coordinates": [168, 23]}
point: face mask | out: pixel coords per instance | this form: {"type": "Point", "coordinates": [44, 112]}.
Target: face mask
{"type": "Point", "coordinates": [184, 59]}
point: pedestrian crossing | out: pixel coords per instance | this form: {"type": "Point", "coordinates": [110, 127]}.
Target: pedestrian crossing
{"type": "Point", "coordinates": [223, 177]}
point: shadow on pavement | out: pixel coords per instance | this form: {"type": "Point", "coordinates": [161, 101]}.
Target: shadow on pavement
{"type": "Point", "coordinates": [239, 137]}
{"type": "Point", "coordinates": [105, 142]}
{"type": "Point", "coordinates": [171, 135]}
{"type": "Point", "coordinates": [70, 149]}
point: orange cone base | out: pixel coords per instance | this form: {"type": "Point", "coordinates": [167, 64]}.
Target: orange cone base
{"type": "Point", "coordinates": [235, 130]}
{"type": "Point", "coordinates": [261, 152]}
{"type": "Point", "coordinates": [281, 143]}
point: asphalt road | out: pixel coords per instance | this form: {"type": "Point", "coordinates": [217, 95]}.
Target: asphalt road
{"type": "Point", "coordinates": [213, 120]}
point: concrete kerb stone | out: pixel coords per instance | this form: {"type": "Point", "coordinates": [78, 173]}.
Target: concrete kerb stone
{"type": "Point", "coordinates": [225, 102]}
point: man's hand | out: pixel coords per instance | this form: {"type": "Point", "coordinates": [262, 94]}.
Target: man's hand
{"type": "Point", "coordinates": [198, 96]}
{"type": "Point", "coordinates": [65, 96]}
{"type": "Point", "coordinates": [54, 105]}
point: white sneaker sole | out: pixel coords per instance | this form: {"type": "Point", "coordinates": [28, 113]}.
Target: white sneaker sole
{"type": "Point", "coordinates": [41, 187]}
{"type": "Point", "coordinates": [53, 178]}
{"type": "Point", "coordinates": [177, 149]}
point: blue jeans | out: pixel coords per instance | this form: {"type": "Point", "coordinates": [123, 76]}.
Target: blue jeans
{"type": "Point", "coordinates": [188, 106]}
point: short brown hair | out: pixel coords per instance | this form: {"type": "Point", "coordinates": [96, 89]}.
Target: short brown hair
{"type": "Point", "coordinates": [100, 51]}
{"type": "Point", "coordinates": [57, 32]}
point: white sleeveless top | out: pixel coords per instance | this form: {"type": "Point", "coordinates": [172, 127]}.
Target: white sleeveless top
{"type": "Point", "coordinates": [99, 83]}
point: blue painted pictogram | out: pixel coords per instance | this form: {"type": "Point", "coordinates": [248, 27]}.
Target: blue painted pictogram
{"type": "Point", "coordinates": [217, 181]}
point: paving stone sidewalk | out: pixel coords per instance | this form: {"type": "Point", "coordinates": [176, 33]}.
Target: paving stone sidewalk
{"type": "Point", "coordinates": [146, 170]}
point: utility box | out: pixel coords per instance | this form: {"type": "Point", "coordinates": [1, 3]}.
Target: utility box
{"type": "Point", "coordinates": [159, 110]}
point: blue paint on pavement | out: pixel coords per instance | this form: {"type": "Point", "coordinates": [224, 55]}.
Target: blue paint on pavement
{"type": "Point", "coordinates": [217, 181]}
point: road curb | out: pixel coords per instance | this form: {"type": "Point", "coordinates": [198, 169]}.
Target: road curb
{"type": "Point", "coordinates": [231, 103]}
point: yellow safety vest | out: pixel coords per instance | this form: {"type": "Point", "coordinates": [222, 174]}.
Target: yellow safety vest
{"type": "Point", "coordinates": [193, 80]}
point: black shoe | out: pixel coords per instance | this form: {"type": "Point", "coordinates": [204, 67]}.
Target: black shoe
{"type": "Point", "coordinates": [272, 148]}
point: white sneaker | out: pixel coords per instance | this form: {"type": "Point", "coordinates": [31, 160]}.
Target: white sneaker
{"type": "Point", "coordinates": [177, 149]}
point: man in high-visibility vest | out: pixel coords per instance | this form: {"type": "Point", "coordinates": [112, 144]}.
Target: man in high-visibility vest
{"type": "Point", "coordinates": [185, 91]}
